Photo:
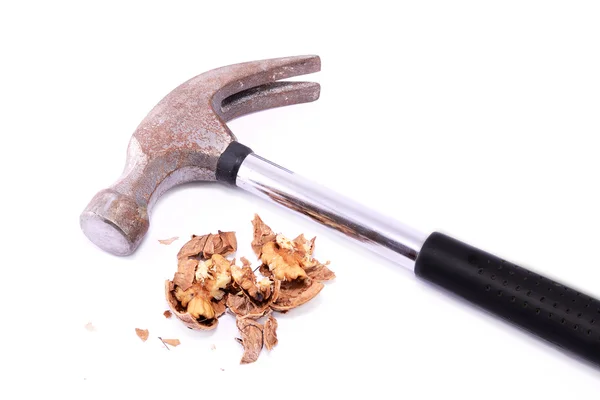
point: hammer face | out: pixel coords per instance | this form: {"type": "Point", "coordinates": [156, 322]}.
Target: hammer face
{"type": "Point", "coordinates": [182, 138]}
{"type": "Point", "coordinates": [114, 222]}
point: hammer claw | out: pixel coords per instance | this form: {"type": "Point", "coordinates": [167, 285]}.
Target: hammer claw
{"type": "Point", "coordinates": [270, 95]}
{"type": "Point", "coordinates": [239, 77]}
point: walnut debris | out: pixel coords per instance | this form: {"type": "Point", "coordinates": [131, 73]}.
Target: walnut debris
{"type": "Point", "coordinates": [168, 241]}
{"type": "Point", "coordinates": [197, 293]}
{"type": "Point", "coordinates": [194, 307]}
{"type": "Point", "coordinates": [282, 262]}
{"type": "Point", "coordinates": [270, 333]}
{"type": "Point", "coordinates": [170, 342]}
{"type": "Point", "coordinates": [250, 298]}
{"type": "Point", "coordinates": [320, 273]}
{"type": "Point", "coordinates": [223, 243]}
{"type": "Point", "coordinates": [245, 280]}
{"type": "Point", "coordinates": [262, 234]}
{"type": "Point", "coordinates": [168, 314]}
{"type": "Point", "coordinates": [186, 271]}
{"type": "Point", "coordinates": [314, 269]}
{"type": "Point", "coordinates": [142, 334]}
{"type": "Point", "coordinates": [252, 339]}
{"type": "Point", "coordinates": [207, 284]}
{"type": "Point", "coordinates": [292, 262]}
{"type": "Point", "coordinates": [296, 293]}
{"type": "Point", "coordinates": [241, 306]}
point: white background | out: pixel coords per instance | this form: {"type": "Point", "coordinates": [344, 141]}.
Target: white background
{"type": "Point", "coordinates": [479, 119]}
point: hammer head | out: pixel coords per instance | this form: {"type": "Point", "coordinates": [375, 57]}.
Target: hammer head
{"type": "Point", "coordinates": [182, 138]}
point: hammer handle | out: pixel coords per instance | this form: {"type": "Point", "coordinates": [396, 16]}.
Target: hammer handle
{"type": "Point", "coordinates": [552, 311]}
{"type": "Point", "coordinates": [563, 316]}
{"type": "Point", "coordinates": [381, 234]}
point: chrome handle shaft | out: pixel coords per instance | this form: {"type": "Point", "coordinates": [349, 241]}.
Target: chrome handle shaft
{"type": "Point", "coordinates": [377, 232]}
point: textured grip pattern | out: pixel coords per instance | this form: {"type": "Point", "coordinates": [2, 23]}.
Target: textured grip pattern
{"type": "Point", "coordinates": [554, 312]}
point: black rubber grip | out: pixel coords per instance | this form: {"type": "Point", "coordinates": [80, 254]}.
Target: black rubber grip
{"type": "Point", "coordinates": [550, 310]}
{"type": "Point", "coordinates": [230, 161]}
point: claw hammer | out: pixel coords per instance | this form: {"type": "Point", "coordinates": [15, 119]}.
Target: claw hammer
{"type": "Point", "coordinates": [185, 138]}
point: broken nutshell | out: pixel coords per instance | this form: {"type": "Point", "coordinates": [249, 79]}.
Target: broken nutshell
{"type": "Point", "coordinates": [206, 283]}
{"type": "Point", "coordinates": [223, 243]}
{"type": "Point", "coordinates": [250, 298]}
{"type": "Point", "coordinates": [270, 333]}
{"type": "Point", "coordinates": [171, 342]}
{"type": "Point", "coordinates": [168, 241]}
{"type": "Point", "coordinates": [252, 338]}
{"type": "Point", "coordinates": [142, 334]}
{"type": "Point", "coordinates": [262, 234]}
{"type": "Point", "coordinates": [292, 262]}
{"type": "Point", "coordinates": [197, 294]}
{"type": "Point", "coordinates": [295, 293]}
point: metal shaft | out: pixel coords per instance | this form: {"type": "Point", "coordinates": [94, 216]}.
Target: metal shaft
{"type": "Point", "coordinates": [375, 231]}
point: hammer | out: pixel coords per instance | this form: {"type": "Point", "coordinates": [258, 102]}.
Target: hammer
{"type": "Point", "coordinates": [185, 138]}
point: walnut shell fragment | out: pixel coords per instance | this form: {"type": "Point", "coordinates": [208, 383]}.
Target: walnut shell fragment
{"type": "Point", "coordinates": [223, 243]}
{"type": "Point", "coordinates": [320, 273]}
{"type": "Point", "coordinates": [186, 270]}
{"type": "Point", "coordinates": [252, 339]}
{"type": "Point", "coordinates": [171, 342]}
{"type": "Point", "coordinates": [168, 241]}
{"type": "Point", "coordinates": [142, 334]}
{"type": "Point", "coordinates": [296, 293]}
{"type": "Point", "coordinates": [250, 298]}
{"type": "Point", "coordinates": [262, 234]}
{"type": "Point", "coordinates": [243, 306]}
{"type": "Point", "coordinates": [270, 333]}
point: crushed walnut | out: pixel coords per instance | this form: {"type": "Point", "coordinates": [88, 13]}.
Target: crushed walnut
{"type": "Point", "coordinates": [207, 283]}
{"type": "Point", "coordinates": [198, 292]}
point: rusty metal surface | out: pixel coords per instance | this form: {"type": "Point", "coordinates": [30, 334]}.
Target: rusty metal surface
{"type": "Point", "coordinates": [181, 140]}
